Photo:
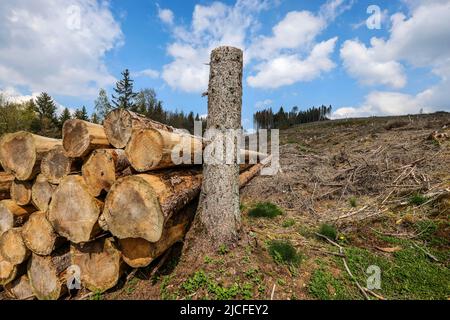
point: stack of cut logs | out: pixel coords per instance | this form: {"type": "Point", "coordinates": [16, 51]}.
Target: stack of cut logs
{"type": "Point", "coordinates": [82, 209]}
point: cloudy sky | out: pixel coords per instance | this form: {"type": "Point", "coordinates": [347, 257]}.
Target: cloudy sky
{"type": "Point", "coordinates": [362, 57]}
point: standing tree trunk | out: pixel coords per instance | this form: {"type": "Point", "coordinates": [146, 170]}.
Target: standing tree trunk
{"type": "Point", "coordinates": [81, 137]}
{"type": "Point", "coordinates": [219, 216]}
{"type": "Point", "coordinates": [102, 168]}
{"type": "Point", "coordinates": [120, 124]}
{"type": "Point", "coordinates": [6, 181]}
{"type": "Point", "coordinates": [48, 275]}
{"type": "Point", "coordinates": [21, 153]}
{"type": "Point", "coordinates": [41, 193]}
{"type": "Point", "coordinates": [56, 165]}
{"type": "Point", "coordinates": [100, 264]}
{"type": "Point", "coordinates": [13, 215]}
{"type": "Point", "coordinates": [21, 192]}
{"type": "Point", "coordinates": [73, 211]}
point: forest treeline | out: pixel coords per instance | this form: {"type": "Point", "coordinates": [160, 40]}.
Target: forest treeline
{"type": "Point", "coordinates": [267, 119]}
{"type": "Point", "coordinates": [41, 115]}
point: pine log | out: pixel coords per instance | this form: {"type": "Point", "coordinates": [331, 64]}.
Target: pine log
{"type": "Point", "coordinates": [39, 235]}
{"type": "Point", "coordinates": [20, 289]}
{"type": "Point", "coordinates": [150, 149]}
{"type": "Point", "coordinates": [120, 123]}
{"type": "Point", "coordinates": [56, 165]}
{"type": "Point", "coordinates": [12, 247]}
{"type": "Point", "coordinates": [41, 193]}
{"type": "Point", "coordinates": [8, 271]}
{"type": "Point", "coordinates": [13, 215]}
{"type": "Point", "coordinates": [73, 211]}
{"type": "Point", "coordinates": [21, 153]}
{"type": "Point", "coordinates": [21, 192]}
{"type": "Point", "coordinates": [137, 206]}
{"type": "Point", "coordinates": [102, 168]}
{"type": "Point", "coordinates": [6, 180]}
{"type": "Point", "coordinates": [47, 275]}
{"type": "Point", "coordinates": [100, 264]}
{"type": "Point", "coordinates": [81, 137]}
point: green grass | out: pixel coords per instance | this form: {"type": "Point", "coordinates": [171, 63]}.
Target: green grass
{"type": "Point", "coordinates": [288, 223]}
{"type": "Point", "coordinates": [353, 202]}
{"type": "Point", "coordinates": [328, 230]}
{"type": "Point", "coordinates": [417, 199]}
{"type": "Point", "coordinates": [324, 286]}
{"type": "Point", "coordinates": [282, 251]}
{"type": "Point", "coordinates": [265, 210]}
{"type": "Point", "coordinates": [223, 249]}
{"type": "Point", "coordinates": [409, 274]}
{"type": "Point", "coordinates": [214, 290]}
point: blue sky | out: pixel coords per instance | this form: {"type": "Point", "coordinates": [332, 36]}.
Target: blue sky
{"type": "Point", "coordinates": [297, 53]}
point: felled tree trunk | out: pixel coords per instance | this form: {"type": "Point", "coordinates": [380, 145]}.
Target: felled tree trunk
{"type": "Point", "coordinates": [6, 180]}
{"type": "Point", "coordinates": [21, 192]}
{"type": "Point", "coordinates": [137, 206]}
{"type": "Point", "coordinates": [219, 216]}
{"type": "Point", "coordinates": [47, 275]}
{"type": "Point", "coordinates": [12, 247]}
{"type": "Point", "coordinates": [56, 165]}
{"type": "Point", "coordinates": [120, 123]}
{"type": "Point", "coordinates": [102, 168]}
{"type": "Point", "coordinates": [99, 262]}
{"type": "Point", "coordinates": [73, 211]}
{"type": "Point", "coordinates": [150, 149]}
{"type": "Point", "coordinates": [13, 215]}
{"type": "Point", "coordinates": [39, 235]}
{"type": "Point", "coordinates": [41, 193]}
{"type": "Point", "coordinates": [81, 137]}
{"type": "Point", "coordinates": [8, 271]}
{"type": "Point", "coordinates": [19, 289]}
{"type": "Point", "coordinates": [21, 153]}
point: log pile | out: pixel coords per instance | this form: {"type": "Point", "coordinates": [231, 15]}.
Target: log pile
{"type": "Point", "coordinates": [103, 199]}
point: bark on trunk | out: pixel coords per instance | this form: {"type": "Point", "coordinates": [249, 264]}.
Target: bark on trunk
{"type": "Point", "coordinates": [20, 289]}
{"type": "Point", "coordinates": [39, 235]}
{"type": "Point", "coordinates": [102, 169]}
{"type": "Point", "coordinates": [150, 149]}
{"type": "Point", "coordinates": [81, 137]}
{"type": "Point", "coordinates": [13, 215]}
{"type": "Point", "coordinates": [21, 153]}
{"type": "Point", "coordinates": [120, 123]}
{"type": "Point", "coordinates": [41, 193]}
{"type": "Point", "coordinates": [12, 246]}
{"type": "Point", "coordinates": [47, 275]}
{"type": "Point", "coordinates": [219, 215]}
{"type": "Point", "coordinates": [73, 211]}
{"type": "Point", "coordinates": [137, 206]}
{"type": "Point", "coordinates": [6, 180]}
{"type": "Point", "coordinates": [56, 165]}
{"type": "Point", "coordinates": [100, 264]}
{"type": "Point", "coordinates": [21, 192]}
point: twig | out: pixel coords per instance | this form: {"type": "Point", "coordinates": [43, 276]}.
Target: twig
{"type": "Point", "coordinates": [376, 295]}
{"type": "Point", "coordinates": [349, 214]}
{"type": "Point", "coordinates": [426, 252]}
{"type": "Point", "coordinates": [273, 291]}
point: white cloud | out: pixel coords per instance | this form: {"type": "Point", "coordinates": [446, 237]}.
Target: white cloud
{"type": "Point", "coordinates": [362, 63]}
{"type": "Point", "coordinates": [421, 40]}
{"type": "Point", "coordinates": [166, 15]}
{"type": "Point", "coordinates": [288, 69]}
{"type": "Point", "coordinates": [150, 73]}
{"type": "Point", "coordinates": [292, 40]}
{"type": "Point", "coordinates": [263, 104]}
{"type": "Point", "coordinates": [56, 46]}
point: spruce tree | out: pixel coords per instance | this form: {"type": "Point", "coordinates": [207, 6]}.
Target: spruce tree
{"type": "Point", "coordinates": [46, 110]}
{"type": "Point", "coordinates": [65, 115]}
{"type": "Point", "coordinates": [124, 90]}
{"type": "Point", "coordinates": [82, 114]}
{"type": "Point", "coordinates": [102, 105]}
